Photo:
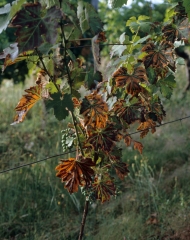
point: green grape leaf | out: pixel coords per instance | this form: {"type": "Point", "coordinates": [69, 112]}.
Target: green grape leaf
{"type": "Point", "coordinates": [167, 85]}
{"type": "Point", "coordinates": [72, 32]}
{"type": "Point", "coordinates": [31, 25]}
{"type": "Point", "coordinates": [88, 18]}
{"type": "Point", "coordinates": [51, 87]}
{"type": "Point", "coordinates": [151, 75]}
{"type": "Point", "coordinates": [187, 7]}
{"type": "Point", "coordinates": [139, 24]}
{"type": "Point", "coordinates": [118, 3]}
{"type": "Point", "coordinates": [61, 105]}
{"type": "Point", "coordinates": [69, 11]}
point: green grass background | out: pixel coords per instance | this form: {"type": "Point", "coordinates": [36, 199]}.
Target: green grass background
{"type": "Point", "coordinates": [34, 204]}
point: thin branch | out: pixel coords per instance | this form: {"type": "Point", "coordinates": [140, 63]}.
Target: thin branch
{"type": "Point", "coordinates": [45, 69]}
{"type": "Point", "coordinates": [70, 84]}
{"type": "Point", "coordinates": [83, 219]}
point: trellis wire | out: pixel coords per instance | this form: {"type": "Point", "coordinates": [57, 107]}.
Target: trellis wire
{"type": "Point", "coordinates": [58, 155]}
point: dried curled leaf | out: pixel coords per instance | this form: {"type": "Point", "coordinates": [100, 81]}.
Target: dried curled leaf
{"type": "Point", "coordinates": [127, 139]}
{"type": "Point", "coordinates": [138, 146]}
{"type": "Point", "coordinates": [130, 81]}
{"type": "Point", "coordinates": [75, 172]}
{"type": "Point", "coordinates": [159, 56]}
{"type": "Point", "coordinates": [94, 110]}
{"type": "Point", "coordinates": [146, 126]}
{"type": "Point", "coordinates": [34, 94]}
{"type": "Point", "coordinates": [101, 37]}
{"type": "Point", "coordinates": [103, 187]}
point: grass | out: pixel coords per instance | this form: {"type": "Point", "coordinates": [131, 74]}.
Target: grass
{"type": "Point", "coordinates": [154, 200]}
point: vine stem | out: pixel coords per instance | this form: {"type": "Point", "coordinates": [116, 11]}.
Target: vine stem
{"type": "Point", "coordinates": [85, 212]}
{"type": "Point", "coordinates": [78, 139]}
{"type": "Point", "coordinates": [45, 69]}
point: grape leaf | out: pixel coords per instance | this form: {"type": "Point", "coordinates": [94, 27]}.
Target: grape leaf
{"type": "Point", "coordinates": [28, 100]}
{"type": "Point", "coordinates": [94, 110]}
{"type": "Point", "coordinates": [31, 25]}
{"type": "Point", "coordinates": [118, 3]}
{"type": "Point", "coordinates": [167, 85]}
{"type": "Point", "coordinates": [61, 104]}
{"type": "Point", "coordinates": [121, 169]}
{"type": "Point", "coordinates": [128, 112]}
{"type": "Point", "coordinates": [139, 24]}
{"type": "Point", "coordinates": [75, 172]}
{"type": "Point", "coordinates": [127, 139]}
{"type": "Point", "coordinates": [159, 56]}
{"type": "Point", "coordinates": [187, 7]}
{"type": "Point", "coordinates": [104, 138]}
{"type": "Point", "coordinates": [103, 188]}
{"type": "Point", "coordinates": [130, 81]}
{"type": "Point", "coordinates": [146, 126]}
{"type": "Point", "coordinates": [88, 18]}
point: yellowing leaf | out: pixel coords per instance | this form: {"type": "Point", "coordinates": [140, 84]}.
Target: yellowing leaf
{"type": "Point", "coordinates": [51, 87]}
{"type": "Point", "coordinates": [27, 101]}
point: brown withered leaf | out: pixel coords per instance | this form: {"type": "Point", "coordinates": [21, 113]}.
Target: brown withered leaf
{"type": "Point", "coordinates": [76, 102]}
{"type": "Point", "coordinates": [138, 146]}
{"type": "Point", "coordinates": [127, 139]}
{"type": "Point", "coordinates": [146, 126]}
{"type": "Point", "coordinates": [129, 113]}
{"type": "Point", "coordinates": [94, 110]}
{"type": "Point", "coordinates": [101, 37]}
{"type": "Point", "coordinates": [75, 172]}
{"type": "Point", "coordinates": [159, 56]}
{"type": "Point", "coordinates": [104, 138]}
{"type": "Point", "coordinates": [170, 33]}
{"type": "Point", "coordinates": [158, 110]}
{"type": "Point", "coordinates": [34, 94]}
{"type": "Point", "coordinates": [130, 81]}
{"type": "Point", "coordinates": [153, 219]}
{"type": "Point", "coordinates": [103, 187]}
{"type": "Point", "coordinates": [121, 169]}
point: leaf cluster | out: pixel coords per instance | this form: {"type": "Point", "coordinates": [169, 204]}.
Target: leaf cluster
{"type": "Point", "coordinates": [128, 91]}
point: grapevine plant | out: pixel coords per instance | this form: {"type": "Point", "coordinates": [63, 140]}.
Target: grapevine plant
{"type": "Point", "coordinates": [128, 90]}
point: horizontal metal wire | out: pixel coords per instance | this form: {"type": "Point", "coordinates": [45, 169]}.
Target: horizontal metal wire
{"type": "Point", "coordinates": [62, 154]}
